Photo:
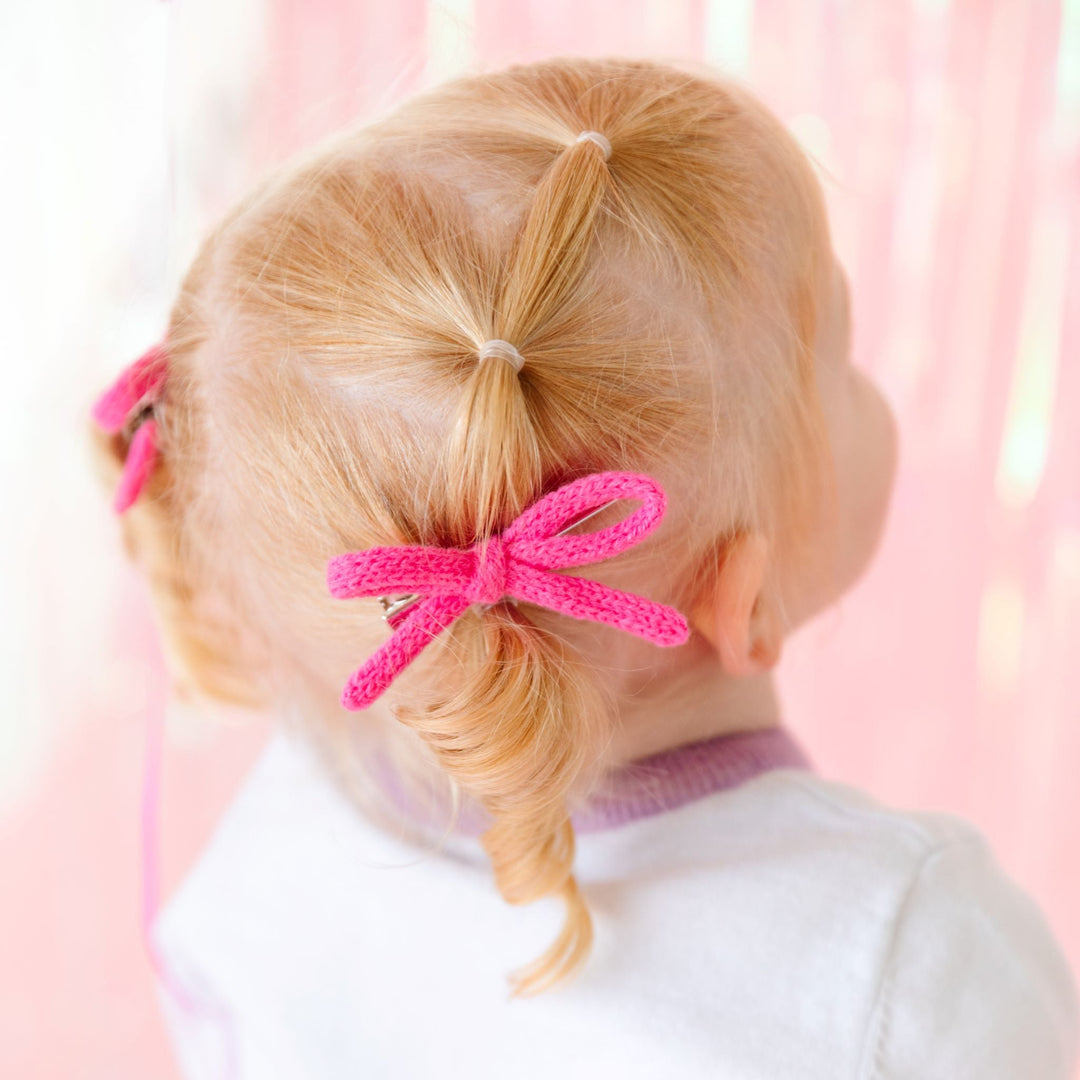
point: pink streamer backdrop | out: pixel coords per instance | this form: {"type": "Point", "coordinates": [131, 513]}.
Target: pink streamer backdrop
{"type": "Point", "coordinates": [949, 135]}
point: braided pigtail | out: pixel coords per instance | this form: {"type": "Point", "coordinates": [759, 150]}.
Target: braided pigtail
{"type": "Point", "coordinates": [527, 722]}
{"type": "Point", "coordinates": [523, 725]}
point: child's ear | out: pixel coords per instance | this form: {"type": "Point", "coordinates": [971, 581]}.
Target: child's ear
{"type": "Point", "coordinates": [737, 615]}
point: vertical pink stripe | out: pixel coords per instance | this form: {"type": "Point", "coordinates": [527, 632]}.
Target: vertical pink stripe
{"type": "Point", "coordinates": [905, 361]}
{"type": "Point", "coordinates": [988, 353]}
{"type": "Point", "coordinates": [338, 64]}
{"type": "Point", "coordinates": [984, 309]}
{"type": "Point", "coordinates": [937, 116]}
{"type": "Point", "coordinates": [534, 29]}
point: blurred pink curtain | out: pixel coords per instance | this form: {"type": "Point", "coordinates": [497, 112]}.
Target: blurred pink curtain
{"type": "Point", "coordinates": [947, 132]}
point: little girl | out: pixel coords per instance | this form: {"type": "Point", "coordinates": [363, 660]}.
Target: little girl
{"type": "Point", "coordinates": [527, 417]}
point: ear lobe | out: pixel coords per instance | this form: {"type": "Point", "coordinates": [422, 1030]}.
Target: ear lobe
{"type": "Point", "coordinates": [737, 616]}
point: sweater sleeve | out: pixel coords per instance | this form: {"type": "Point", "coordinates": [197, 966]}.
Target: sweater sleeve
{"type": "Point", "coordinates": [974, 986]}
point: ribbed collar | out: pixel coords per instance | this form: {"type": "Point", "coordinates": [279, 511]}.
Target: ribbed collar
{"type": "Point", "coordinates": [673, 778]}
{"type": "Point", "coordinates": [648, 786]}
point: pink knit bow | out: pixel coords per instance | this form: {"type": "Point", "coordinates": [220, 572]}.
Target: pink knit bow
{"type": "Point", "coordinates": [137, 387]}
{"type": "Point", "coordinates": [518, 564]}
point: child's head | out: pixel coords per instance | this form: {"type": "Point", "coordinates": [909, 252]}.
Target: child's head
{"type": "Point", "coordinates": [679, 312]}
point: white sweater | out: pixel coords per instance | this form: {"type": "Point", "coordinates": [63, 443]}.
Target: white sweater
{"type": "Point", "coordinates": [782, 926]}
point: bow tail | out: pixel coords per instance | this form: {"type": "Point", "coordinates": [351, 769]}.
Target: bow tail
{"type": "Point", "coordinates": [424, 623]}
{"type": "Point", "coordinates": [583, 598]}
{"type": "Point", "coordinates": [141, 458]}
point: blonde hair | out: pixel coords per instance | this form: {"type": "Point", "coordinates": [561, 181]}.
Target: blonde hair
{"type": "Point", "coordinates": [325, 395]}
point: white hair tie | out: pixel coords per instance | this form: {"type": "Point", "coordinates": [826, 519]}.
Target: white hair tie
{"type": "Point", "coordinates": [504, 351]}
{"type": "Point", "coordinates": [598, 139]}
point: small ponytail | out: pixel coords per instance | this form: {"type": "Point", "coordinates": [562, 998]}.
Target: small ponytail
{"type": "Point", "coordinates": [552, 248]}
{"type": "Point", "coordinates": [494, 477]}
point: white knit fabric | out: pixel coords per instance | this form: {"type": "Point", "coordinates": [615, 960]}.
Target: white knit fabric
{"type": "Point", "coordinates": [789, 927]}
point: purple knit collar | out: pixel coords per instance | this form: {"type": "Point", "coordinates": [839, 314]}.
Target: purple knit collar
{"type": "Point", "coordinates": [661, 782]}
{"type": "Point", "coordinates": [673, 778]}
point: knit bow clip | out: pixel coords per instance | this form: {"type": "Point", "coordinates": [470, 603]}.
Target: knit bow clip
{"type": "Point", "coordinates": [128, 405]}
{"type": "Point", "coordinates": [517, 564]}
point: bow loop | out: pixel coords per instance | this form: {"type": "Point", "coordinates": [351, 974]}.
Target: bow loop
{"type": "Point", "coordinates": [519, 563]}
{"type": "Point", "coordinates": [139, 382]}
{"type": "Point", "coordinates": [535, 534]}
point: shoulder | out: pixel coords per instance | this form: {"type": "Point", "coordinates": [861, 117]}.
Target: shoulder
{"type": "Point", "coordinates": [973, 983]}
{"type": "Point", "coordinates": [784, 818]}
{"type": "Point", "coordinates": [867, 935]}
{"type": "Point", "coordinates": [898, 932]}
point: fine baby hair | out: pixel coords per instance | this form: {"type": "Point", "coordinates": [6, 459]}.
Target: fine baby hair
{"type": "Point", "coordinates": [420, 331]}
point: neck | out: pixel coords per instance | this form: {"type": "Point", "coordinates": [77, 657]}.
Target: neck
{"type": "Point", "coordinates": [699, 702]}
{"type": "Point", "coordinates": [688, 702]}
{"type": "Point", "coordinates": [695, 702]}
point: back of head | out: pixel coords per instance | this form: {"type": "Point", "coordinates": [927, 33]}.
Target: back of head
{"type": "Point", "coordinates": [325, 394]}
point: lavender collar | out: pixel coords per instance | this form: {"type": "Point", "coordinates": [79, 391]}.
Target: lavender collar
{"type": "Point", "coordinates": [651, 785]}
{"type": "Point", "coordinates": [673, 778]}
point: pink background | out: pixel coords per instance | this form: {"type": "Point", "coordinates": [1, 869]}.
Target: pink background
{"type": "Point", "coordinates": [949, 135]}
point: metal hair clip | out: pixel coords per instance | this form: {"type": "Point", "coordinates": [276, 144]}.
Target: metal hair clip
{"type": "Point", "coordinates": [394, 607]}
{"type": "Point", "coordinates": [143, 411]}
